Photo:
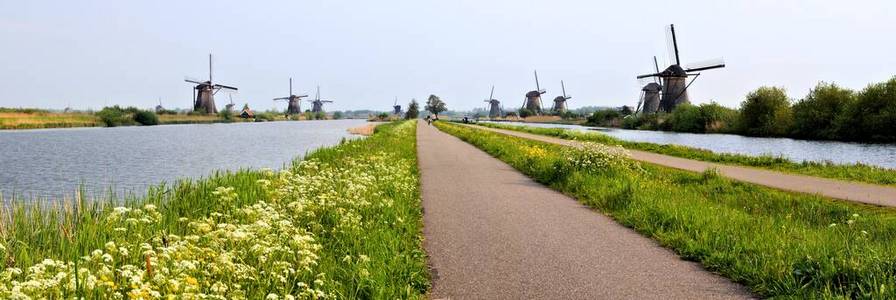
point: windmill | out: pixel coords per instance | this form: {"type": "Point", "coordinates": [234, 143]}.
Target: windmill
{"type": "Point", "coordinates": [396, 108]}
{"type": "Point", "coordinates": [160, 108]}
{"type": "Point", "coordinates": [560, 101]}
{"type": "Point", "coordinates": [674, 78]}
{"type": "Point", "coordinates": [650, 94]}
{"type": "Point", "coordinates": [229, 106]}
{"type": "Point", "coordinates": [533, 98]}
{"type": "Point", "coordinates": [317, 105]}
{"type": "Point", "coordinates": [494, 106]}
{"type": "Point", "coordinates": [204, 92]}
{"type": "Point", "coordinates": [294, 106]}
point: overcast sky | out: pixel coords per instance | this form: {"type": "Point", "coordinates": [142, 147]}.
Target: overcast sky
{"type": "Point", "coordinates": [86, 54]}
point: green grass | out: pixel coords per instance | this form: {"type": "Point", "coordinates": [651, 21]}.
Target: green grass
{"type": "Point", "coordinates": [849, 172]}
{"type": "Point", "coordinates": [779, 244]}
{"type": "Point", "coordinates": [344, 222]}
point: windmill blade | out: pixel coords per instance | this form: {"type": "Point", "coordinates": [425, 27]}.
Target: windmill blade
{"type": "Point", "coordinates": [706, 65]}
{"type": "Point", "coordinates": [563, 86]}
{"type": "Point", "coordinates": [672, 44]}
{"type": "Point", "coordinates": [302, 96]}
{"type": "Point", "coordinates": [537, 87]}
{"type": "Point", "coordinates": [648, 75]}
{"type": "Point", "coordinates": [491, 95]}
{"type": "Point", "coordinates": [192, 80]}
{"type": "Point", "coordinates": [326, 101]}
{"type": "Point", "coordinates": [281, 98]}
{"type": "Point", "coordinates": [226, 87]}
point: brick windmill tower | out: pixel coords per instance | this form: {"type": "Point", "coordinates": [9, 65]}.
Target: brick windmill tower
{"type": "Point", "coordinates": [294, 101]}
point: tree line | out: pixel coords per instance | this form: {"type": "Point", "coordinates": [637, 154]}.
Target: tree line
{"type": "Point", "coordinates": [827, 112]}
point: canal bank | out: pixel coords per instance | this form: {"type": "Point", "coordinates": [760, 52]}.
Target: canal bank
{"type": "Point", "coordinates": [850, 172]}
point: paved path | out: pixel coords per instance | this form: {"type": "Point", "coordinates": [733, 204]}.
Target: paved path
{"type": "Point", "coordinates": [838, 189]}
{"type": "Point", "coordinates": [493, 233]}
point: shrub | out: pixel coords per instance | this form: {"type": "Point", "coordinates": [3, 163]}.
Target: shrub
{"type": "Point", "coordinates": [337, 115]}
{"type": "Point", "coordinates": [604, 117]}
{"type": "Point", "coordinates": [525, 113]}
{"type": "Point", "coordinates": [766, 112]}
{"type": "Point", "coordinates": [687, 118]}
{"type": "Point", "coordinates": [226, 114]}
{"type": "Point", "coordinates": [265, 116]}
{"type": "Point", "coordinates": [114, 116]}
{"type": "Point", "coordinates": [145, 117]}
{"type": "Point", "coordinates": [817, 116]}
{"type": "Point", "coordinates": [717, 118]}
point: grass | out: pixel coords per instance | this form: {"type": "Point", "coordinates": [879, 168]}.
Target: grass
{"type": "Point", "coordinates": [42, 119]}
{"type": "Point", "coordinates": [193, 119]}
{"type": "Point", "coordinates": [345, 222]}
{"type": "Point", "coordinates": [849, 172]}
{"type": "Point", "coordinates": [779, 244]}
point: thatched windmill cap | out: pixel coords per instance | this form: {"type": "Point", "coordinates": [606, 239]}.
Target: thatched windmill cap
{"type": "Point", "coordinates": [652, 87]}
{"type": "Point", "coordinates": [533, 94]}
{"type": "Point", "coordinates": [674, 71]}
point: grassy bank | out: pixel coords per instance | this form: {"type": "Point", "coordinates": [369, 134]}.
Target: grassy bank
{"type": "Point", "coordinates": [43, 119]}
{"type": "Point", "coordinates": [344, 222]}
{"type": "Point", "coordinates": [779, 244]}
{"type": "Point", "coordinates": [853, 172]}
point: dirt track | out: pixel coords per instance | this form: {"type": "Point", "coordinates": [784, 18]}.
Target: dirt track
{"type": "Point", "coordinates": [493, 233]}
{"type": "Point", "coordinates": [838, 189]}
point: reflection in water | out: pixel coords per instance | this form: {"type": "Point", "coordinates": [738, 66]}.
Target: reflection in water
{"type": "Point", "coordinates": [54, 162]}
{"type": "Point", "coordinates": [883, 155]}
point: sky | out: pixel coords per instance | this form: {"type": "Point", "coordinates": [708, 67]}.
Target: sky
{"type": "Point", "coordinates": [363, 54]}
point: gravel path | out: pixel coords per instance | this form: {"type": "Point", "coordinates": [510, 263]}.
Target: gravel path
{"type": "Point", "coordinates": [493, 233]}
{"type": "Point", "coordinates": [838, 189]}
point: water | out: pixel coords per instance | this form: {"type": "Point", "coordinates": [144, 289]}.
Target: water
{"type": "Point", "coordinates": [55, 162]}
{"type": "Point", "coordinates": [882, 155]}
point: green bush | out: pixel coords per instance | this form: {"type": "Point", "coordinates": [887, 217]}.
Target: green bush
{"type": "Point", "coordinates": [226, 114]}
{"type": "Point", "coordinates": [687, 118]}
{"type": "Point", "coordinates": [413, 110]}
{"type": "Point", "coordinates": [337, 115]}
{"type": "Point", "coordinates": [265, 116]}
{"type": "Point", "coordinates": [604, 117]}
{"type": "Point", "coordinates": [115, 116]}
{"type": "Point", "coordinates": [145, 117]}
{"type": "Point", "coordinates": [766, 112]}
{"type": "Point", "coordinates": [819, 115]}
{"type": "Point", "coordinates": [525, 113]}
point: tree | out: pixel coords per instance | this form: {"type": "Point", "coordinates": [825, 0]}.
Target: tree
{"type": "Point", "coordinates": [413, 110]}
{"type": "Point", "coordinates": [766, 112]}
{"type": "Point", "coordinates": [627, 110]}
{"type": "Point", "coordinates": [525, 112]}
{"type": "Point", "coordinates": [435, 105]}
{"type": "Point", "coordinates": [873, 116]}
{"type": "Point", "coordinates": [817, 116]}
{"type": "Point", "coordinates": [337, 115]}
{"type": "Point", "coordinates": [604, 117]}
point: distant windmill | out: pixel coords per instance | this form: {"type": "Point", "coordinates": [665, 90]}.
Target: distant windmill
{"type": "Point", "coordinates": [560, 101]}
{"type": "Point", "coordinates": [396, 108]}
{"type": "Point", "coordinates": [294, 106]}
{"type": "Point", "coordinates": [650, 94]}
{"type": "Point", "coordinates": [229, 106]}
{"type": "Point", "coordinates": [533, 98]}
{"type": "Point", "coordinates": [494, 106]}
{"type": "Point", "coordinates": [317, 105]}
{"type": "Point", "coordinates": [674, 78]}
{"type": "Point", "coordinates": [159, 107]}
{"type": "Point", "coordinates": [204, 92]}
